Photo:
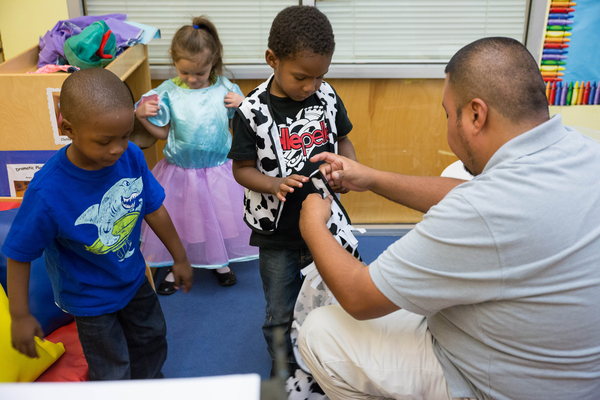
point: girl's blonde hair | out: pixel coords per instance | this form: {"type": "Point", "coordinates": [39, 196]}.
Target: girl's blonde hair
{"type": "Point", "coordinates": [191, 40]}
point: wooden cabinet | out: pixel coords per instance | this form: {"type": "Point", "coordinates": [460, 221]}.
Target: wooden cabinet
{"type": "Point", "coordinates": [28, 102]}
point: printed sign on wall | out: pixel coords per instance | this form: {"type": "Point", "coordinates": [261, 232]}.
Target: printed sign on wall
{"type": "Point", "coordinates": [19, 176]}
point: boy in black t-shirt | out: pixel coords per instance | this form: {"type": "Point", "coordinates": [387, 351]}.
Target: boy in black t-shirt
{"type": "Point", "coordinates": [291, 117]}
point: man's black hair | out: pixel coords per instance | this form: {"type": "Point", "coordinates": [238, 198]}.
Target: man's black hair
{"type": "Point", "coordinates": [301, 28]}
{"type": "Point", "coordinates": [93, 91]}
{"type": "Point", "coordinates": [501, 72]}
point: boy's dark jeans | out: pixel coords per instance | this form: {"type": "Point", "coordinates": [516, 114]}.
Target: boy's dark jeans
{"type": "Point", "coordinates": [127, 344]}
{"type": "Point", "coordinates": [280, 274]}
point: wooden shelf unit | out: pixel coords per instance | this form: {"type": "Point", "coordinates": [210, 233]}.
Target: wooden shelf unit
{"type": "Point", "coordinates": [25, 119]}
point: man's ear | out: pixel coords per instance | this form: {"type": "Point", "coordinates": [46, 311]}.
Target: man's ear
{"type": "Point", "coordinates": [271, 58]}
{"type": "Point", "coordinates": [478, 112]}
{"type": "Point", "coordinates": [66, 128]}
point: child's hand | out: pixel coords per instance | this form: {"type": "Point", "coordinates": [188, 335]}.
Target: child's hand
{"type": "Point", "coordinates": [233, 100]}
{"type": "Point", "coordinates": [23, 329]}
{"type": "Point", "coordinates": [184, 275]}
{"type": "Point", "coordinates": [147, 109]}
{"type": "Point", "coordinates": [283, 186]}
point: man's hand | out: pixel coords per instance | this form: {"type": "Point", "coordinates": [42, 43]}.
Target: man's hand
{"type": "Point", "coordinates": [283, 186]}
{"type": "Point", "coordinates": [233, 100]}
{"type": "Point", "coordinates": [339, 189]}
{"type": "Point", "coordinates": [315, 210]}
{"type": "Point", "coordinates": [23, 329]}
{"type": "Point", "coordinates": [184, 275]}
{"type": "Point", "coordinates": [341, 172]}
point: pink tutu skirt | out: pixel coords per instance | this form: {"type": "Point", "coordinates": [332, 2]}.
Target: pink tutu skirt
{"type": "Point", "coordinates": [207, 209]}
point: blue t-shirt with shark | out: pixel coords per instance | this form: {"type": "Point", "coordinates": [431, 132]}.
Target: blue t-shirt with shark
{"type": "Point", "coordinates": [88, 223]}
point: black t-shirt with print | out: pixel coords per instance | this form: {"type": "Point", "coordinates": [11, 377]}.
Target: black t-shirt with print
{"type": "Point", "coordinates": [303, 134]}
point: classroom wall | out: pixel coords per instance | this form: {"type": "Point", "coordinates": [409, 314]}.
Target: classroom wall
{"type": "Point", "coordinates": [22, 22]}
{"type": "Point", "coordinates": [399, 126]}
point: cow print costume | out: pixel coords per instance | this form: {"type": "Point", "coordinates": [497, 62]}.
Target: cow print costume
{"type": "Point", "coordinates": [263, 211]}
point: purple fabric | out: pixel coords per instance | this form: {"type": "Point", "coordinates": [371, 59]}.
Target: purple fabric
{"type": "Point", "coordinates": [207, 209]}
{"type": "Point", "coordinates": [51, 44]}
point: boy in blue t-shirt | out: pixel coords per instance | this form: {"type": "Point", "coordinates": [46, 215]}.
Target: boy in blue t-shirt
{"type": "Point", "coordinates": [84, 208]}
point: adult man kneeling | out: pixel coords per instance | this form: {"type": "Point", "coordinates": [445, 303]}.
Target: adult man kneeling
{"type": "Point", "coordinates": [496, 293]}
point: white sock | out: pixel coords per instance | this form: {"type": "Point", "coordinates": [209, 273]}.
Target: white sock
{"type": "Point", "coordinates": [223, 270]}
{"type": "Point", "coordinates": [170, 277]}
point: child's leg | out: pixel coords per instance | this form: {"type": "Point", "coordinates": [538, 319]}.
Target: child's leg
{"type": "Point", "coordinates": [136, 333]}
{"type": "Point", "coordinates": [280, 273]}
{"type": "Point", "coordinates": [104, 346]}
{"type": "Point", "coordinates": [145, 330]}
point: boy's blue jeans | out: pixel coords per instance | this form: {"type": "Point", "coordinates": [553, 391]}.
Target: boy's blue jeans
{"type": "Point", "coordinates": [280, 274]}
{"type": "Point", "coordinates": [127, 344]}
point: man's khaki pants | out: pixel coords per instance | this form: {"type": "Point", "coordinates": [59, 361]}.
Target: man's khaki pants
{"type": "Point", "coordinates": [389, 357]}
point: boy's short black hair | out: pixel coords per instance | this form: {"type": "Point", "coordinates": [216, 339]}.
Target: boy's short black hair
{"type": "Point", "coordinates": [301, 28]}
{"type": "Point", "coordinates": [93, 91]}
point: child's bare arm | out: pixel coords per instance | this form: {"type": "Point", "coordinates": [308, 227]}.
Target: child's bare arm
{"type": "Point", "coordinates": [24, 325]}
{"type": "Point", "coordinates": [346, 149]}
{"type": "Point", "coordinates": [246, 174]}
{"type": "Point", "coordinates": [162, 225]}
{"type": "Point", "coordinates": [150, 109]}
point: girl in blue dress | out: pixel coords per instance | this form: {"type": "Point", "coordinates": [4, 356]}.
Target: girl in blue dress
{"type": "Point", "coordinates": [192, 112]}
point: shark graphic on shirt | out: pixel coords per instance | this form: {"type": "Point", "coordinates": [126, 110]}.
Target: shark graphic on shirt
{"type": "Point", "coordinates": [115, 217]}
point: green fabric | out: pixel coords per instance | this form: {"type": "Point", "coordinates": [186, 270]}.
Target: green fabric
{"type": "Point", "coordinates": [178, 82]}
{"type": "Point", "coordinates": [80, 50]}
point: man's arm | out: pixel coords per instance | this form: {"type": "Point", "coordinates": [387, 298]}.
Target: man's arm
{"type": "Point", "coordinates": [348, 278]}
{"type": "Point", "coordinates": [417, 192]}
{"type": "Point", "coordinates": [24, 326]}
{"type": "Point", "coordinates": [162, 225]}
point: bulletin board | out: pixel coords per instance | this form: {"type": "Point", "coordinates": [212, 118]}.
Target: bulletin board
{"type": "Point", "coordinates": [579, 64]}
{"type": "Point", "coordinates": [570, 62]}
{"type": "Point", "coordinates": [583, 62]}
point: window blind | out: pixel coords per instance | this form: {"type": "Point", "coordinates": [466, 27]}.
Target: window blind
{"type": "Point", "coordinates": [243, 25]}
{"type": "Point", "coordinates": [417, 31]}
{"type": "Point", "coordinates": [374, 38]}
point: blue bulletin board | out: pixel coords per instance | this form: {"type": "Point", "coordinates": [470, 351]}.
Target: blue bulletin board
{"type": "Point", "coordinates": [583, 62]}
{"type": "Point", "coordinates": [570, 63]}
